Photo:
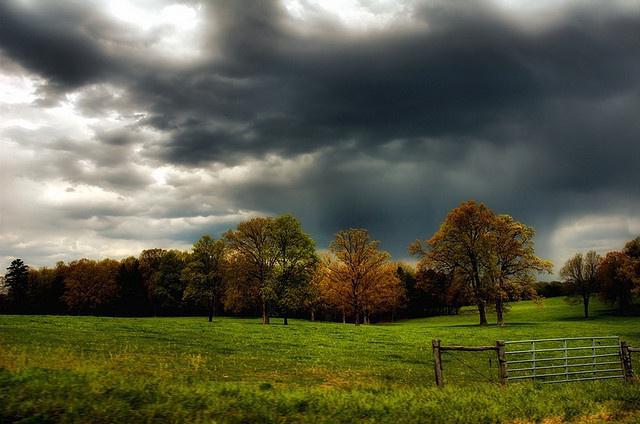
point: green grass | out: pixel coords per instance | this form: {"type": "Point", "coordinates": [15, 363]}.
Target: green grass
{"type": "Point", "coordinates": [95, 369]}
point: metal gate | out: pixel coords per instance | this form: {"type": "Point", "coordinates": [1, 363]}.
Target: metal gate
{"type": "Point", "coordinates": [562, 360]}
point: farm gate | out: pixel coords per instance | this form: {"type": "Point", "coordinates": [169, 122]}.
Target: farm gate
{"type": "Point", "coordinates": [555, 360]}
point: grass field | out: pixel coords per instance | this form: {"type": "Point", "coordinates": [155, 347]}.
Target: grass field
{"type": "Point", "coordinates": [93, 369]}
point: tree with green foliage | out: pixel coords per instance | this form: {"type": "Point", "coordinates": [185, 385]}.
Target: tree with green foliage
{"type": "Point", "coordinates": [132, 299]}
{"type": "Point", "coordinates": [161, 271]}
{"type": "Point", "coordinates": [17, 281]}
{"type": "Point", "coordinates": [166, 285]}
{"type": "Point", "coordinates": [254, 257]}
{"type": "Point", "coordinates": [46, 288]}
{"type": "Point", "coordinates": [273, 259]}
{"type": "Point", "coordinates": [294, 265]}
{"type": "Point", "coordinates": [204, 272]}
{"type": "Point", "coordinates": [580, 275]}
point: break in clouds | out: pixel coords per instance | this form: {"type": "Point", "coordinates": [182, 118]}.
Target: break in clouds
{"type": "Point", "coordinates": [127, 125]}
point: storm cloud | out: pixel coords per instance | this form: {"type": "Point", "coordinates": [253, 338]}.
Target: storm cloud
{"type": "Point", "coordinates": [129, 125]}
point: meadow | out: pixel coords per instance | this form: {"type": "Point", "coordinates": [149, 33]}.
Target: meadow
{"type": "Point", "coordinates": [100, 369]}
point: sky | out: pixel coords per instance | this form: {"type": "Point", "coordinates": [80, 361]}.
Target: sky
{"type": "Point", "coordinates": [127, 125]}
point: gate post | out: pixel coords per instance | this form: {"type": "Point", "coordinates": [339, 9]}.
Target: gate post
{"type": "Point", "coordinates": [625, 357]}
{"type": "Point", "coordinates": [437, 362]}
{"type": "Point", "coordinates": [502, 361]}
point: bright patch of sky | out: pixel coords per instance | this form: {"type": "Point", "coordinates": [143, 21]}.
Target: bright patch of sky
{"type": "Point", "coordinates": [179, 25]}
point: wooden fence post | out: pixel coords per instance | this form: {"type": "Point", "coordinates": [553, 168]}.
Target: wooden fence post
{"type": "Point", "coordinates": [502, 361]}
{"type": "Point", "coordinates": [437, 362]}
{"type": "Point", "coordinates": [625, 357]}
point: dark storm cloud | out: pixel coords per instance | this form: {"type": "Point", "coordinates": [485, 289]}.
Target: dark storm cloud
{"type": "Point", "coordinates": [402, 123]}
{"type": "Point", "coordinates": [58, 40]}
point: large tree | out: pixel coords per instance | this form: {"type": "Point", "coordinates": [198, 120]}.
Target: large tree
{"type": "Point", "coordinates": [512, 263]}
{"type": "Point", "coordinates": [580, 274]}
{"type": "Point", "coordinates": [203, 275]}
{"type": "Point", "coordinates": [462, 246]}
{"type": "Point", "coordinates": [16, 281]}
{"type": "Point", "coordinates": [493, 254]}
{"type": "Point", "coordinates": [359, 270]}
{"type": "Point", "coordinates": [273, 259]}
{"type": "Point", "coordinates": [253, 254]}
{"type": "Point", "coordinates": [294, 266]}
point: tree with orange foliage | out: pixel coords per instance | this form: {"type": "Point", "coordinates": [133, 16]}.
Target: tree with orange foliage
{"type": "Point", "coordinates": [90, 286]}
{"type": "Point", "coordinates": [512, 261]}
{"type": "Point", "coordinates": [360, 275]}
{"type": "Point", "coordinates": [461, 245]}
{"type": "Point", "coordinates": [333, 293]}
{"type": "Point", "coordinates": [493, 254]}
{"type": "Point", "coordinates": [618, 280]}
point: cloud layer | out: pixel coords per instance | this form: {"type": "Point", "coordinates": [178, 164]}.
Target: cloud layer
{"type": "Point", "coordinates": [128, 125]}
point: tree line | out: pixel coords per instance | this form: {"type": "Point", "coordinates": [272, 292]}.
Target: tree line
{"type": "Point", "coordinates": [615, 277]}
{"type": "Point", "coordinates": [269, 266]}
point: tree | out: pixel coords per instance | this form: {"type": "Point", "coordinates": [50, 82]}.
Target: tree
{"type": "Point", "coordinates": [203, 274]}
{"type": "Point", "coordinates": [632, 248]}
{"type": "Point", "coordinates": [90, 286]}
{"type": "Point", "coordinates": [16, 281]}
{"type": "Point", "coordinates": [45, 290]}
{"type": "Point", "coordinates": [149, 261]}
{"type": "Point", "coordinates": [439, 293]}
{"type": "Point", "coordinates": [386, 294]}
{"type": "Point", "coordinates": [161, 271]}
{"type": "Point", "coordinates": [313, 299]}
{"type": "Point", "coordinates": [295, 263]}
{"type": "Point", "coordinates": [512, 261]}
{"type": "Point", "coordinates": [253, 254]}
{"type": "Point", "coordinates": [132, 299]}
{"type": "Point", "coordinates": [493, 254]}
{"type": "Point", "coordinates": [580, 274]}
{"type": "Point", "coordinates": [333, 293]}
{"type": "Point", "coordinates": [166, 285]}
{"type": "Point", "coordinates": [618, 280]}
{"type": "Point", "coordinates": [272, 259]}
{"type": "Point", "coordinates": [462, 245]}
{"type": "Point", "coordinates": [360, 271]}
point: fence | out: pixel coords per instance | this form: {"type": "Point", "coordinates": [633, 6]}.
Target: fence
{"type": "Point", "coordinates": [564, 360]}
{"type": "Point", "coordinates": [551, 360]}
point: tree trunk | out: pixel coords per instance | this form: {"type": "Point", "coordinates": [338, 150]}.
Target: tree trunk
{"type": "Point", "coordinates": [344, 317]}
{"type": "Point", "coordinates": [585, 301]}
{"type": "Point", "coordinates": [357, 317]}
{"type": "Point", "coordinates": [286, 321]}
{"type": "Point", "coordinates": [265, 316]}
{"type": "Point", "coordinates": [313, 315]}
{"type": "Point", "coordinates": [483, 313]}
{"type": "Point", "coordinates": [500, 311]}
{"type": "Point", "coordinates": [212, 303]}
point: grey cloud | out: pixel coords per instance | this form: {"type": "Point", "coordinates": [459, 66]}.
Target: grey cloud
{"type": "Point", "coordinates": [403, 123]}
